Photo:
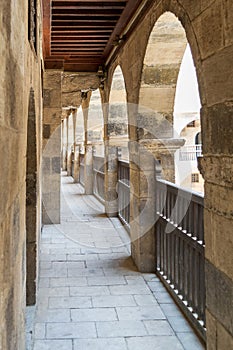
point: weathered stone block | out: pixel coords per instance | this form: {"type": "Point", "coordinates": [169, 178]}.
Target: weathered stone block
{"type": "Point", "coordinates": [46, 131]}
{"type": "Point", "coordinates": [228, 17]}
{"type": "Point", "coordinates": [218, 76]}
{"type": "Point", "coordinates": [212, 333]}
{"type": "Point", "coordinates": [218, 132]}
{"type": "Point", "coordinates": [219, 296]}
{"type": "Point", "coordinates": [56, 165]}
{"type": "Point", "coordinates": [209, 29]}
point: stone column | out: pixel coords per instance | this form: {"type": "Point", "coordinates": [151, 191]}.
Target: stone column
{"type": "Point", "coordinates": [70, 143]}
{"type": "Point", "coordinates": [88, 169]}
{"type": "Point", "coordinates": [51, 147]}
{"type": "Point", "coordinates": [111, 180]}
{"type": "Point", "coordinates": [142, 195]}
{"type": "Point", "coordinates": [142, 207]}
{"type": "Point", "coordinates": [64, 140]}
{"type": "Point", "coordinates": [216, 167]}
{"type": "Point", "coordinates": [76, 163]}
{"type": "Point", "coordinates": [164, 150]}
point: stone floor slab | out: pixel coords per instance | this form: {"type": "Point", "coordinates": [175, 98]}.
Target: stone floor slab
{"type": "Point", "coordinates": [151, 312]}
{"type": "Point", "coordinates": [95, 314]}
{"type": "Point", "coordinates": [75, 310]}
{"type": "Point", "coordinates": [100, 344]}
{"type": "Point", "coordinates": [154, 343]}
{"type": "Point", "coordinates": [89, 291]}
{"type": "Point", "coordinates": [113, 301]}
{"type": "Point", "coordinates": [70, 330]}
{"type": "Point", "coordinates": [69, 303]}
{"type": "Point", "coordinates": [53, 344]}
{"type": "Point", "coordinates": [120, 329]}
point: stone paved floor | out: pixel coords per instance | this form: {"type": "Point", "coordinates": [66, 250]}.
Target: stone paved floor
{"type": "Point", "coordinates": [91, 296]}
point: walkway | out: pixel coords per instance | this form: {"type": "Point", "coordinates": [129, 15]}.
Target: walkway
{"type": "Point", "coordinates": [91, 296]}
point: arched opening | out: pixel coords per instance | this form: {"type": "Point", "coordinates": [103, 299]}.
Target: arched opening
{"type": "Point", "coordinates": [164, 53]}
{"type": "Point", "coordinates": [117, 152]}
{"type": "Point", "coordinates": [31, 204]}
{"type": "Point", "coordinates": [95, 123]}
{"type": "Point", "coordinates": [187, 125]}
{"type": "Point", "coordinates": [179, 212]}
{"type": "Point", "coordinates": [95, 127]}
{"type": "Point", "coordinates": [118, 117]}
{"type": "Point", "coordinates": [79, 144]}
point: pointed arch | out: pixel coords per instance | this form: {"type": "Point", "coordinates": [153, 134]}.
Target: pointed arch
{"type": "Point", "coordinates": [118, 113]}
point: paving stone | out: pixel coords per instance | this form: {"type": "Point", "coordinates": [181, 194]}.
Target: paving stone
{"type": "Point", "coordinates": [82, 257]}
{"type": "Point", "coordinates": [144, 300]}
{"type": "Point", "coordinates": [190, 341]}
{"type": "Point", "coordinates": [154, 343]}
{"type": "Point", "coordinates": [158, 327]}
{"type": "Point", "coordinates": [179, 324]}
{"type": "Point", "coordinates": [134, 280]}
{"type": "Point", "coordinates": [113, 301]}
{"type": "Point", "coordinates": [105, 281]}
{"type": "Point", "coordinates": [52, 315]}
{"type": "Point", "coordinates": [70, 330]}
{"type": "Point", "coordinates": [120, 271]}
{"type": "Point", "coordinates": [53, 257]}
{"type": "Point", "coordinates": [89, 291]}
{"type": "Point", "coordinates": [140, 313]}
{"type": "Point", "coordinates": [59, 251]}
{"type": "Point", "coordinates": [156, 286]}
{"type": "Point", "coordinates": [95, 314]}
{"type": "Point", "coordinates": [170, 310]}
{"type": "Point", "coordinates": [70, 303]}
{"type": "Point", "coordinates": [150, 277]}
{"type": "Point", "coordinates": [163, 297]}
{"type": "Point", "coordinates": [53, 291]}
{"type": "Point", "coordinates": [84, 272]}
{"type": "Point", "coordinates": [54, 273]}
{"type": "Point", "coordinates": [53, 344]}
{"type": "Point", "coordinates": [120, 329]}
{"type": "Point", "coordinates": [129, 289]}
{"type": "Point", "coordinates": [68, 281]}
{"type": "Point", "coordinates": [45, 265]}
{"type": "Point", "coordinates": [39, 331]}
{"type": "Point", "coordinates": [68, 264]}
{"type": "Point", "coordinates": [43, 282]}
{"type": "Point", "coordinates": [100, 344]}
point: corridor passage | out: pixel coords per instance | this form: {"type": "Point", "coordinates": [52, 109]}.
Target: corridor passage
{"type": "Point", "coordinates": [91, 296]}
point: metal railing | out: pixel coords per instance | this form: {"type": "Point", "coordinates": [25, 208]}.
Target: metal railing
{"type": "Point", "coordinates": [123, 192]}
{"type": "Point", "coordinates": [190, 153]}
{"type": "Point", "coordinates": [180, 249]}
{"type": "Point", "coordinates": [81, 168]}
{"type": "Point", "coordinates": [98, 183]}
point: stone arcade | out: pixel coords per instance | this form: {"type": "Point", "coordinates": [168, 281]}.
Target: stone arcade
{"type": "Point", "coordinates": [50, 75]}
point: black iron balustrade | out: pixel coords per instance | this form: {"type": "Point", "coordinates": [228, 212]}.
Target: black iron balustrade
{"type": "Point", "coordinates": [180, 249]}
{"type": "Point", "coordinates": [98, 184]}
{"type": "Point", "coordinates": [124, 192]}
{"type": "Point", "coordinates": [81, 169]}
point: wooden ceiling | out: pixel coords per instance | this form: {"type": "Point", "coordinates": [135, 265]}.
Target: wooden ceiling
{"type": "Point", "coordinates": [79, 35]}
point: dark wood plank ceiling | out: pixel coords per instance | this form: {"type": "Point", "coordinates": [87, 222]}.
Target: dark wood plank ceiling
{"type": "Point", "coordinates": [79, 35]}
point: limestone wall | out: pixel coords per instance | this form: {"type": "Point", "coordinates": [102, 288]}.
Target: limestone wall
{"type": "Point", "coordinates": [19, 73]}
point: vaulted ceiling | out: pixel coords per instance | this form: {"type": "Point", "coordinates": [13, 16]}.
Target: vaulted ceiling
{"type": "Point", "coordinates": [80, 35]}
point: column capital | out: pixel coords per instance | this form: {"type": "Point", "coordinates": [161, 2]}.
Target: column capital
{"type": "Point", "coordinates": [160, 147]}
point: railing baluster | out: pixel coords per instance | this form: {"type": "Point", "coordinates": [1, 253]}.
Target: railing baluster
{"type": "Point", "coordinates": [180, 253]}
